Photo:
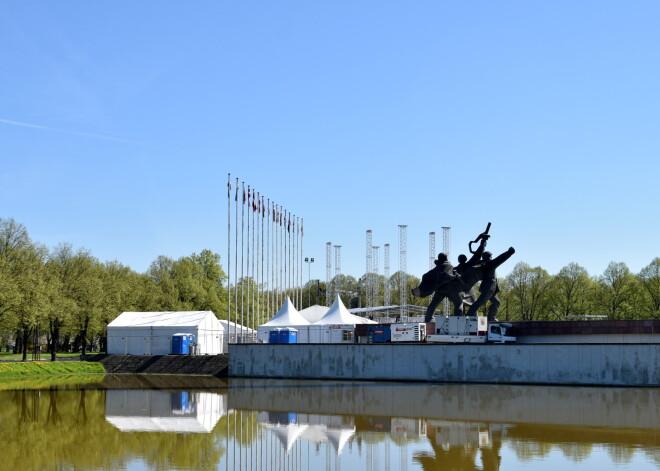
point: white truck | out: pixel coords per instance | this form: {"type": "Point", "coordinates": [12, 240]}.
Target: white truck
{"type": "Point", "coordinates": [469, 329]}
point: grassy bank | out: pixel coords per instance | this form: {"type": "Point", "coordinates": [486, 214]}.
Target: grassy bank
{"type": "Point", "coordinates": [34, 368]}
{"type": "Point", "coordinates": [45, 356]}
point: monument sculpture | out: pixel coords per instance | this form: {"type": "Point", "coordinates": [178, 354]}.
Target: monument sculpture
{"type": "Point", "coordinates": [456, 283]}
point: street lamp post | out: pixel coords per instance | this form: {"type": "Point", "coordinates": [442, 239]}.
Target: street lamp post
{"type": "Point", "coordinates": [309, 262]}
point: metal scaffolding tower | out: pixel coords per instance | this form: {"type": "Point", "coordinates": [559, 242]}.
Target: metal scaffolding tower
{"type": "Point", "coordinates": [386, 273]}
{"type": "Point", "coordinates": [403, 268]}
{"type": "Point", "coordinates": [368, 277]}
{"type": "Point", "coordinates": [375, 284]}
{"type": "Point", "coordinates": [328, 273]}
{"type": "Point", "coordinates": [431, 249]}
{"type": "Point", "coordinates": [337, 260]}
{"type": "Point", "coordinates": [446, 247]}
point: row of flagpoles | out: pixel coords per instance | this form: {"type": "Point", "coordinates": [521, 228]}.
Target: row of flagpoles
{"type": "Point", "coordinates": [264, 256]}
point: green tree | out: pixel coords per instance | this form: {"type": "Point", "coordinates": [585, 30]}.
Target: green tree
{"type": "Point", "coordinates": [650, 281]}
{"type": "Point", "coordinates": [529, 290]}
{"type": "Point", "coordinates": [615, 293]}
{"type": "Point", "coordinates": [571, 288]}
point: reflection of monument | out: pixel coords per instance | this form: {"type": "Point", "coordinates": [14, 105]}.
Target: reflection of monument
{"type": "Point", "coordinates": [146, 410]}
{"type": "Point", "coordinates": [456, 445]}
{"type": "Point", "coordinates": [288, 427]}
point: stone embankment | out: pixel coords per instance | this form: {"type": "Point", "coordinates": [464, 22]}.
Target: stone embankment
{"type": "Point", "coordinates": [214, 365]}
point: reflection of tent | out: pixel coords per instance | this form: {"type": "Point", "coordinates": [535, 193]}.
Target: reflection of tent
{"type": "Point", "coordinates": [311, 427]}
{"type": "Point", "coordinates": [147, 410]}
{"type": "Point", "coordinates": [338, 314]}
{"type": "Point", "coordinates": [339, 437]}
{"type": "Point", "coordinates": [287, 434]}
{"type": "Point", "coordinates": [150, 333]}
{"type": "Point", "coordinates": [287, 316]}
{"type": "Point", "coordinates": [314, 313]}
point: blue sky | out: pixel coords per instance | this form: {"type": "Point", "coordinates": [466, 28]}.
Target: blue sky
{"type": "Point", "coordinates": [119, 122]}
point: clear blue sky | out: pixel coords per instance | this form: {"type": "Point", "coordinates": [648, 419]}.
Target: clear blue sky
{"type": "Point", "coordinates": [119, 122]}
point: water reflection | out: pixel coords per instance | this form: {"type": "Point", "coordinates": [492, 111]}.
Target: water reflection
{"type": "Point", "coordinates": [146, 410]}
{"type": "Point", "coordinates": [151, 422]}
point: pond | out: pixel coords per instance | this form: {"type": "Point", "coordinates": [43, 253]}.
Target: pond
{"type": "Point", "coordinates": [149, 422]}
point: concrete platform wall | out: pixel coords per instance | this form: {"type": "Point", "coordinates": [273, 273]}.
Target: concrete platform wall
{"type": "Point", "coordinates": [586, 364]}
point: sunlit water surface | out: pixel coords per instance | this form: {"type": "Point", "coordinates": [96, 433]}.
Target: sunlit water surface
{"type": "Point", "coordinates": [152, 422]}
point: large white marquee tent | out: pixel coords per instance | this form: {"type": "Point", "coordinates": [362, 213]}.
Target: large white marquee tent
{"type": "Point", "coordinates": [150, 333]}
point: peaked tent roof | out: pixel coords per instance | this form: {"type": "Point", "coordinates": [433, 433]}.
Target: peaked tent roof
{"type": "Point", "coordinates": [287, 316]}
{"type": "Point", "coordinates": [161, 319]}
{"type": "Point", "coordinates": [314, 313]}
{"type": "Point", "coordinates": [338, 314]}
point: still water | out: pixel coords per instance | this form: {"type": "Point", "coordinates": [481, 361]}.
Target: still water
{"type": "Point", "coordinates": [162, 423]}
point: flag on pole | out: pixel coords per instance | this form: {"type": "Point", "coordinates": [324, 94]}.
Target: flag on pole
{"type": "Point", "coordinates": [243, 192]}
{"type": "Point", "coordinates": [228, 185]}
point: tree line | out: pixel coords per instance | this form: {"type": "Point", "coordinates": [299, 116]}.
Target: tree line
{"type": "Point", "coordinates": [68, 296]}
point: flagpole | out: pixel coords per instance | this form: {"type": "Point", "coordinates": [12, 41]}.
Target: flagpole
{"type": "Point", "coordinates": [256, 276]}
{"type": "Point", "coordinates": [253, 287]}
{"type": "Point", "coordinates": [302, 240]}
{"type": "Point", "coordinates": [242, 262]}
{"type": "Point", "coordinates": [268, 280]}
{"type": "Point", "coordinates": [257, 253]}
{"type": "Point", "coordinates": [263, 284]}
{"type": "Point", "coordinates": [235, 264]}
{"type": "Point", "coordinates": [229, 246]}
{"type": "Point", "coordinates": [281, 258]}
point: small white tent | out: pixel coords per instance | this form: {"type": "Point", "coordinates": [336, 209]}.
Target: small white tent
{"type": "Point", "coordinates": [287, 316]}
{"type": "Point", "coordinates": [150, 333]}
{"type": "Point", "coordinates": [337, 326]}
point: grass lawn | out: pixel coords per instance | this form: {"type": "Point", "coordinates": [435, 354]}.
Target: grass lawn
{"type": "Point", "coordinates": [33, 368]}
{"type": "Point", "coordinates": [45, 356]}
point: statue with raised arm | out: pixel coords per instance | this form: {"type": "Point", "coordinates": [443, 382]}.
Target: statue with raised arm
{"type": "Point", "coordinates": [485, 272]}
{"type": "Point", "coordinates": [456, 283]}
{"type": "Point", "coordinates": [464, 264]}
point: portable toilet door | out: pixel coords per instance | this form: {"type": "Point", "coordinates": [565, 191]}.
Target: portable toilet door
{"type": "Point", "coordinates": [181, 344]}
{"type": "Point", "coordinates": [288, 335]}
{"type": "Point", "coordinates": [274, 336]}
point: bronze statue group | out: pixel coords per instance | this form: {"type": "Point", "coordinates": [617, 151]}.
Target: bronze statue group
{"type": "Point", "coordinates": [457, 282]}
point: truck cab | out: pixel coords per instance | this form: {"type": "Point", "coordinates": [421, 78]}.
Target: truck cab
{"type": "Point", "coordinates": [501, 332]}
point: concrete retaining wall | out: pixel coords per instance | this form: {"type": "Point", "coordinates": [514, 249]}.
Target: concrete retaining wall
{"type": "Point", "coordinates": [215, 365]}
{"type": "Point", "coordinates": [585, 364]}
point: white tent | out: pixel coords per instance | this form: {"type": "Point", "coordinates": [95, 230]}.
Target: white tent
{"type": "Point", "coordinates": [314, 313]}
{"type": "Point", "coordinates": [337, 326]}
{"type": "Point", "coordinates": [236, 332]}
{"type": "Point", "coordinates": [287, 316]}
{"type": "Point", "coordinates": [338, 314]}
{"type": "Point", "coordinates": [150, 333]}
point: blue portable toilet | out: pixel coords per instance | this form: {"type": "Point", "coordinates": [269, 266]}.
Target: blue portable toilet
{"type": "Point", "coordinates": [288, 335]}
{"type": "Point", "coordinates": [181, 343]}
{"type": "Point", "coordinates": [274, 336]}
